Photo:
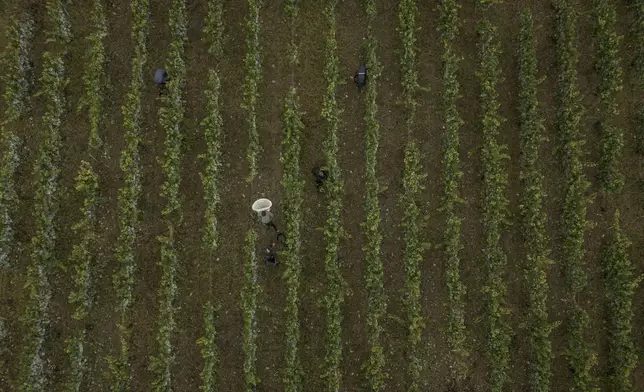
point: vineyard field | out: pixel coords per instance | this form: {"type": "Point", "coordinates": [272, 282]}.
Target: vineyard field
{"type": "Point", "coordinates": [480, 226]}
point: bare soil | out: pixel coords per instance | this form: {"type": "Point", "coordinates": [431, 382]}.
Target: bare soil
{"type": "Point", "coordinates": [237, 195]}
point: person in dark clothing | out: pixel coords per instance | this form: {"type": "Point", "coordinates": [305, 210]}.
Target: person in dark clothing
{"type": "Point", "coordinates": [361, 77]}
{"type": "Point", "coordinates": [269, 257]}
{"type": "Point", "coordinates": [321, 175]}
{"type": "Point", "coordinates": [160, 79]}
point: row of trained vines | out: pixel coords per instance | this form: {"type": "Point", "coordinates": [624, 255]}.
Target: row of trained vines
{"type": "Point", "coordinates": [334, 298]}
{"type": "Point", "coordinates": [82, 259]}
{"type": "Point", "coordinates": [532, 212]}
{"type": "Point", "coordinates": [250, 290]}
{"type": "Point", "coordinates": [212, 125]}
{"type": "Point", "coordinates": [15, 56]}
{"type": "Point", "coordinates": [87, 184]}
{"type": "Point", "coordinates": [376, 299]}
{"type": "Point", "coordinates": [540, 302]}
{"type": "Point", "coordinates": [94, 72]}
{"type": "Point", "coordinates": [16, 61]}
{"type": "Point", "coordinates": [292, 205]}
{"type": "Point", "coordinates": [452, 173]}
{"type": "Point", "coordinates": [610, 84]}
{"type": "Point", "coordinates": [621, 284]}
{"type": "Point", "coordinates": [495, 205]}
{"type": "Point", "coordinates": [638, 33]}
{"type": "Point", "coordinates": [170, 119]}
{"type": "Point", "coordinates": [249, 295]}
{"type": "Point", "coordinates": [619, 280]}
{"type": "Point", "coordinates": [36, 318]}
{"type": "Point", "coordinates": [128, 200]}
{"type": "Point", "coordinates": [252, 79]}
{"type": "Point", "coordinates": [412, 185]}
{"type": "Point", "coordinates": [579, 352]}
{"type": "Point", "coordinates": [15, 78]}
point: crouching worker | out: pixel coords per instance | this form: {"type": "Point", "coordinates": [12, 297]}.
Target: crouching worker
{"type": "Point", "coordinates": [321, 174]}
{"type": "Point", "coordinates": [269, 257]}
{"type": "Point", "coordinates": [361, 77]}
{"type": "Point", "coordinates": [160, 79]}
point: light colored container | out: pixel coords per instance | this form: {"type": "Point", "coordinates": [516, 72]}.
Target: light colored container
{"type": "Point", "coordinates": [263, 209]}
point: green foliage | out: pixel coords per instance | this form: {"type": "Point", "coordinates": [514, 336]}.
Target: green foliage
{"type": "Point", "coordinates": [15, 61]}
{"type": "Point", "coordinates": [412, 179]}
{"type": "Point", "coordinates": [452, 173]}
{"type": "Point", "coordinates": [580, 355]}
{"type": "Point", "coordinates": [610, 84]}
{"type": "Point", "coordinates": [171, 114]}
{"type": "Point", "coordinates": [212, 125]}
{"type": "Point", "coordinates": [291, 11]}
{"type": "Point", "coordinates": [3, 352]}
{"type": "Point", "coordinates": [128, 198]}
{"type": "Point", "coordinates": [252, 79]}
{"type": "Point", "coordinates": [81, 258]}
{"type": "Point", "coordinates": [249, 294]}
{"type": "Point", "coordinates": [94, 72]}
{"type": "Point", "coordinates": [621, 286]}
{"type": "Point", "coordinates": [638, 33]}
{"type": "Point", "coordinates": [495, 208]}
{"type": "Point", "coordinates": [161, 363]}
{"type": "Point", "coordinates": [213, 134]}
{"type": "Point", "coordinates": [407, 18]}
{"type": "Point", "coordinates": [170, 119]}
{"type": "Point", "coordinates": [208, 346]}
{"type": "Point", "coordinates": [333, 189]}
{"type": "Point", "coordinates": [293, 188]}
{"type": "Point", "coordinates": [47, 173]}
{"type": "Point", "coordinates": [413, 257]}
{"type": "Point", "coordinates": [376, 299]}
{"type": "Point", "coordinates": [214, 29]}
{"type": "Point", "coordinates": [485, 4]}
{"type": "Point", "coordinates": [532, 212]}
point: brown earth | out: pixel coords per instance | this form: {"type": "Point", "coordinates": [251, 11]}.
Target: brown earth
{"type": "Point", "coordinates": [237, 195]}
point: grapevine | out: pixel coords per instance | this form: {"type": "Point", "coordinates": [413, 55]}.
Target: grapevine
{"type": "Point", "coordinates": [580, 355]}
{"type": "Point", "coordinates": [333, 191]}
{"type": "Point", "coordinates": [495, 208]}
{"type": "Point", "coordinates": [376, 305]}
{"type": "Point", "coordinates": [532, 213]}
{"type": "Point", "coordinates": [456, 336]}
{"type": "Point", "coordinates": [128, 199]}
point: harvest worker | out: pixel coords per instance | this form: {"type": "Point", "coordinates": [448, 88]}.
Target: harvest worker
{"type": "Point", "coordinates": [361, 76]}
{"type": "Point", "coordinates": [321, 175]}
{"type": "Point", "coordinates": [270, 257]}
{"type": "Point", "coordinates": [266, 217]}
{"type": "Point", "coordinates": [160, 79]}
